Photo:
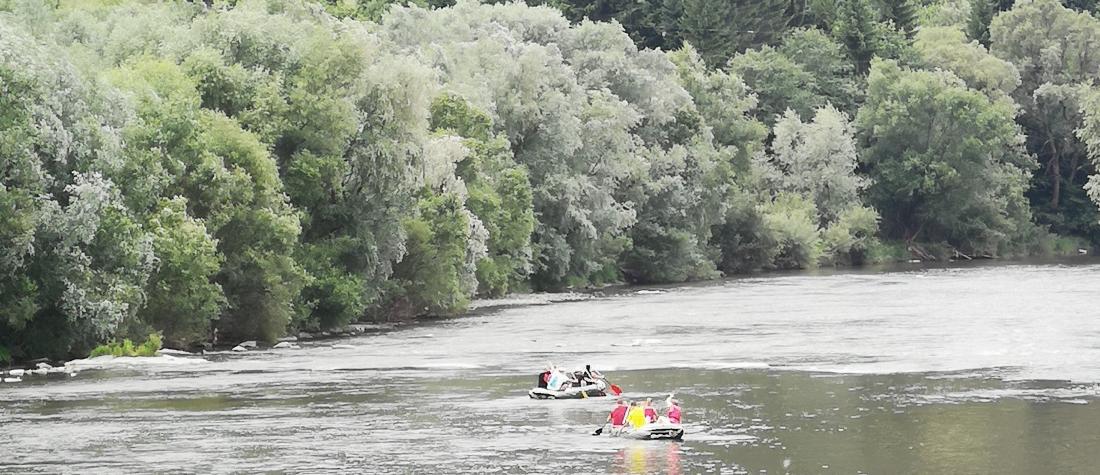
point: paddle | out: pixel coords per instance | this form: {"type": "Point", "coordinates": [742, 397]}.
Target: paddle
{"type": "Point", "coordinates": [616, 390]}
{"type": "Point", "coordinates": [600, 430]}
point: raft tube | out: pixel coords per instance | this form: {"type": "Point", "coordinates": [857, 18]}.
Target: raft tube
{"type": "Point", "coordinates": [652, 431]}
{"type": "Point", "coordinates": [599, 389]}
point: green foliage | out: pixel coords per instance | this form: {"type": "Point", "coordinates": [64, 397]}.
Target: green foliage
{"type": "Point", "coordinates": [374, 9]}
{"type": "Point", "coordinates": [454, 115]}
{"type": "Point", "coordinates": [944, 160]}
{"type": "Point", "coordinates": [745, 244]}
{"type": "Point", "coordinates": [722, 29]}
{"type": "Point", "coordinates": [792, 222]}
{"type": "Point", "coordinates": [852, 238]}
{"type": "Point", "coordinates": [431, 271]}
{"type": "Point", "coordinates": [1053, 48]}
{"type": "Point", "coordinates": [499, 194]}
{"type": "Point", "coordinates": [723, 103]}
{"type": "Point", "coordinates": [824, 59]}
{"type": "Point", "coordinates": [181, 297]}
{"type": "Point", "coordinates": [126, 348]}
{"type": "Point", "coordinates": [1089, 133]}
{"type": "Point", "coordinates": [855, 28]}
{"type": "Point", "coordinates": [779, 83]}
{"type": "Point", "coordinates": [903, 15]}
{"type": "Point", "coordinates": [816, 161]}
{"type": "Point", "coordinates": [948, 49]}
{"type": "Point", "coordinates": [977, 25]}
{"type": "Point", "coordinates": [883, 252]}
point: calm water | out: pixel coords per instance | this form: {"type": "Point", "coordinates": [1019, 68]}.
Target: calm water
{"type": "Point", "coordinates": [990, 369]}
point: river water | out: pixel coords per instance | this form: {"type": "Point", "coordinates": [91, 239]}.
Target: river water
{"type": "Point", "coordinates": [981, 369]}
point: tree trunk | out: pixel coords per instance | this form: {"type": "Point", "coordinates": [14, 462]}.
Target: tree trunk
{"type": "Point", "coordinates": [1056, 175]}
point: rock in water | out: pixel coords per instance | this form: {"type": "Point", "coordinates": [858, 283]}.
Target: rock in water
{"type": "Point", "coordinates": [284, 344]}
{"type": "Point", "coordinates": [44, 366]}
{"type": "Point", "coordinates": [288, 338]}
{"type": "Point", "coordinates": [169, 351]}
{"type": "Point", "coordinates": [17, 373]}
{"type": "Point", "coordinates": [343, 347]}
{"type": "Point", "coordinates": [239, 348]}
{"type": "Point", "coordinates": [13, 380]}
{"type": "Point", "coordinates": [305, 336]}
{"type": "Point", "coordinates": [248, 344]}
{"type": "Point", "coordinates": [39, 371]}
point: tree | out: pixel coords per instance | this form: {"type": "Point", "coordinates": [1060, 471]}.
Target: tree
{"type": "Point", "coordinates": [948, 48]}
{"type": "Point", "coordinates": [1055, 50]}
{"type": "Point", "coordinates": [182, 298]}
{"type": "Point", "coordinates": [824, 59]}
{"type": "Point", "coordinates": [977, 25]}
{"type": "Point", "coordinates": [1090, 134]}
{"type": "Point", "coordinates": [721, 29]}
{"type": "Point", "coordinates": [816, 160]}
{"type": "Point", "coordinates": [855, 28]}
{"type": "Point", "coordinates": [779, 83]}
{"type": "Point", "coordinates": [75, 258]}
{"type": "Point", "coordinates": [945, 161]}
{"type": "Point", "coordinates": [430, 273]}
{"type": "Point", "coordinates": [903, 14]}
{"type": "Point", "coordinates": [499, 194]}
{"type": "Point", "coordinates": [230, 181]}
{"type": "Point", "coordinates": [724, 104]}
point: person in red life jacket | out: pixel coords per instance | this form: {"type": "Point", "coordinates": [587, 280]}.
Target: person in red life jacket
{"type": "Point", "coordinates": [650, 412]}
{"type": "Point", "coordinates": [618, 415]}
{"type": "Point", "coordinates": [673, 411]}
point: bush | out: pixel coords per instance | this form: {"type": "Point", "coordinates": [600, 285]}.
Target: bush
{"type": "Point", "coordinates": [126, 348]}
{"type": "Point", "coordinates": [792, 219]}
{"type": "Point", "coordinates": [881, 252]}
{"type": "Point", "coordinates": [846, 242]}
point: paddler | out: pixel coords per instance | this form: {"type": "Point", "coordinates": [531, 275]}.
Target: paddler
{"type": "Point", "coordinates": [649, 411]}
{"type": "Point", "coordinates": [635, 416]}
{"type": "Point", "coordinates": [673, 410]}
{"type": "Point", "coordinates": [618, 415]}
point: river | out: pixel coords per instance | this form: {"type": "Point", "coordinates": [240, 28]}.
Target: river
{"type": "Point", "coordinates": [969, 369]}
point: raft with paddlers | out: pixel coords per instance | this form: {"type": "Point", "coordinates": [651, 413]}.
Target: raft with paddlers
{"type": "Point", "coordinates": [641, 421]}
{"type": "Point", "coordinates": [557, 384]}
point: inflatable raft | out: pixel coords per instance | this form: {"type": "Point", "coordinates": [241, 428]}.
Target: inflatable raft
{"type": "Point", "coordinates": [651, 431]}
{"type": "Point", "coordinates": [596, 389]}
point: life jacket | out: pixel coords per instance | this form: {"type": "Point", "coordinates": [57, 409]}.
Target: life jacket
{"type": "Point", "coordinates": [636, 417]}
{"type": "Point", "coordinates": [650, 414]}
{"type": "Point", "coordinates": [618, 415]}
{"type": "Point", "coordinates": [674, 414]}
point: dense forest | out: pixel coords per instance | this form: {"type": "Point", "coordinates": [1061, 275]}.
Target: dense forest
{"type": "Point", "coordinates": [251, 168]}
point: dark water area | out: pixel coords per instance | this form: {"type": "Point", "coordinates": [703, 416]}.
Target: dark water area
{"type": "Point", "coordinates": [971, 369]}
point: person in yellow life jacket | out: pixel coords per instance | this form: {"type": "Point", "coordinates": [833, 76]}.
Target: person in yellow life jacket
{"type": "Point", "coordinates": [635, 416]}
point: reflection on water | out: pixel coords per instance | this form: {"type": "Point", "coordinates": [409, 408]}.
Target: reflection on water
{"type": "Point", "coordinates": [860, 373]}
{"type": "Point", "coordinates": [644, 457]}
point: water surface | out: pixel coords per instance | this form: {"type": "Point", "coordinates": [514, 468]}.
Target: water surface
{"type": "Point", "coordinates": [985, 369]}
